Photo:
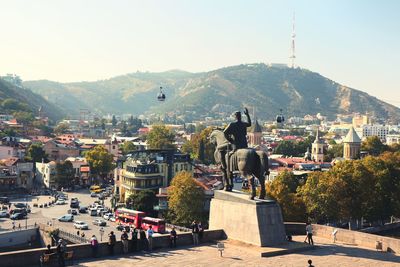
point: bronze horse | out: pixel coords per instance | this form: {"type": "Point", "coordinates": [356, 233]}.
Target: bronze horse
{"type": "Point", "coordinates": [250, 163]}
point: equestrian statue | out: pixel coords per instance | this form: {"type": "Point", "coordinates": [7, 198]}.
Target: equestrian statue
{"type": "Point", "coordinates": [233, 154]}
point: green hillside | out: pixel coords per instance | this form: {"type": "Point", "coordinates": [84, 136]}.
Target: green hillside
{"type": "Point", "coordinates": [217, 93]}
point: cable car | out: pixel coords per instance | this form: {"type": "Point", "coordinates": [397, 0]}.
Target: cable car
{"type": "Point", "coordinates": [161, 95]}
{"type": "Point", "coordinates": [280, 118]}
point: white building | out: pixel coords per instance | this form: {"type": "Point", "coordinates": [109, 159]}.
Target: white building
{"type": "Point", "coordinates": [374, 130]}
{"type": "Point", "coordinates": [392, 139]}
{"type": "Point", "coordinates": [45, 173]}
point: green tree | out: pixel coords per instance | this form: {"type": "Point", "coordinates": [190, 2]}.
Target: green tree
{"type": "Point", "coordinates": [61, 128]}
{"type": "Point", "coordinates": [185, 200]}
{"type": "Point", "coordinates": [64, 174]}
{"type": "Point", "coordinates": [100, 161]}
{"type": "Point", "coordinates": [127, 147]}
{"type": "Point", "coordinates": [335, 151]}
{"type": "Point", "coordinates": [36, 153]}
{"type": "Point", "coordinates": [284, 190]}
{"type": "Point", "coordinates": [199, 147]}
{"type": "Point", "coordinates": [23, 117]}
{"type": "Point", "coordinates": [161, 137]}
{"type": "Point", "coordinates": [373, 145]}
{"type": "Point", "coordinates": [143, 201]}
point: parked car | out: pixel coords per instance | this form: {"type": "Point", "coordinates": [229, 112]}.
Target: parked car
{"type": "Point", "coordinates": [101, 211]}
{"type": "Point", "coordinates": [93, 194]}
{"type": "Point", "coordinates": [66, 218]}
{"type": "Point", "coordinates": [4, 214]}
{"type": "Point", "coordinates": [18, 216]}
{"type": "Point", "coordinates": [93, 212]}
{"type": "Point", "coordinates": [83, 209]}
{"type": "Point", "coordinates": [23, 211]}
{"type": "Point", "coordinates": [100, 222]}
{"type": "Point", "coordinates": [73, 211]}
{"type": "Point", "coordinates": [19, 205]}
{"type": "Point", "coordinates": [60, 202]}
{"type": "Point", "coordinates": [81, 225]}
{"type": "Point", "coordinates": [107, 216]}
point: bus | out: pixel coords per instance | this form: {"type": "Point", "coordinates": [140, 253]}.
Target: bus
{"type": "Point", "coordinates": [95, 189]}
{"type": "Point", "coordinates": [128, 217]}
{"type": "Point", "coordinates": [158, 225]}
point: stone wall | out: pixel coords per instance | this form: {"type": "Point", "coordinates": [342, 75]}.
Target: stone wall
{"type": "Point", "coordinates": [358, 238]}
{"type": "Point", "coordinates": [16, 238]}
{"type": "Point", "coordinates": [30, 257]}
{"type": "Point", "coordinates": [295, 228]}
{"type": "Point", "coordinates": [381, 228]}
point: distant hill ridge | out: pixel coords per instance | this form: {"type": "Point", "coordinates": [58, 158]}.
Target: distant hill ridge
{"type": "Point", "coordinates": [216, 93]}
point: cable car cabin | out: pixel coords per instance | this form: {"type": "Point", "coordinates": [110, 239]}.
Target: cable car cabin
{"type": "Point", "coordinates": [161, 95]}
{"type": "Point", "coordinates": [129, 217]}
{"type": "Point", "coordinates": [280, 119]}
{"type": "Point", "coordinates": [158, 225]}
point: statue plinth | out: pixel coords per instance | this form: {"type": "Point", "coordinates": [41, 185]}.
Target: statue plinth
{"type": "Point", "coordinates": [257, 222]}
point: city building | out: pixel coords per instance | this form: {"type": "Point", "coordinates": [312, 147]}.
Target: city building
{"type": "Point", "coordinates": [317, 149]}
{"type": "Point", "coordinates": [392, 139]}
{"type": "Point", "coordinates": [150, 169]}
{"type": "Point", "coordinates": [351, 145]}
{"type": "Point", "coordinates": [59, 151]}
{"type": "Point", "coordinates": [45, 174]}
{"type": "Point", "coordinates": [255, 135]}
{"type": "Point", "coordinates": [374, 130]}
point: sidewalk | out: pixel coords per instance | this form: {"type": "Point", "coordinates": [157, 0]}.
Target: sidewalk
{"type": "Point", "coordinates": [326, 254]}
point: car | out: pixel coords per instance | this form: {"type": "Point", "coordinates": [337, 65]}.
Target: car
{"type": "Point", "coordinates": [66, 218]}
{"type": "Point", "coordinates": [60, 202]}
{"type": "Point", "coordinates": [73, 211]}
{"type": "Point", "coordinates": [93, 194]}
{"type": "Point", "coordinates": [74, 204]}
{"type": "Point", "coordinates": [83, 209]}
{"type": "Point", "coordinates": [93, 212]}
{"type": "Point", "coordinates": [19, 205]}
{"type": "Point", "coordinates": [101, 196]}
{"type": "Point", "coordinates": [23, 211]}
{"type": "Point", "coordinates": [120, 227]}
{"type": "Point", "coordinates": [100, 222]}
{"type": "Point", "coordinates": [81, 225]}
{"type": "Point", "coordinates": [101, 211]}
{"type": "Point", "coordinates": [17, 216]}
{"type": "Point", "coordinates": [4, 214]}
{"type": "Point", "coordinates": [108, 215]}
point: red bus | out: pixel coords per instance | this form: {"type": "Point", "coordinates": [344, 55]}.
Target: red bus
{"type": "Point", "coordinates": [157, 224]}
{"type": "Point", "coordinates": [129, 217]}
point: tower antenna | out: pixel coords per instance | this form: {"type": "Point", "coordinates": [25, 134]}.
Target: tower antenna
{"type": "Point", "coordinates": [293, 50]}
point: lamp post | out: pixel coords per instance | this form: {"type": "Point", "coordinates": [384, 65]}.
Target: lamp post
{"type": "Point", "coordinates": [101, 234]}
{"type": "Point", "coordinates": [26, 217]}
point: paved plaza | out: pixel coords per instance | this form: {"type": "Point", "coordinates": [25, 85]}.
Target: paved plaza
{"type": "Point", "coordinates": [326, 254]}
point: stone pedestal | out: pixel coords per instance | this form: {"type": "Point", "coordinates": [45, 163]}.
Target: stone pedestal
{"type": "Point", "coordinates": [258, 222]}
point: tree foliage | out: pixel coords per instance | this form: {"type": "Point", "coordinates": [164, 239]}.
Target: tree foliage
{"type": "Point", "coordinates": [127, 147]}
{"type": "Point", "coordinates": [185, 200]}
{"type": "Point", "coordinates": [100, 161]}
{"type": "Point", "coordinates": [373, 145]}
{"type": "Point", "coordinates": [36, 153]}
{"type": "Point", "coordinates": [284, 190]}
{"type": "Point", "coordinates": [61, 128]}
{"type": "Point", "coordinates": [199, 147]}
{"type": "Point", "coordinates": [64, 174]}
{"type": "Point", "coordinates": [294, 148]}
{"type": "Point", "coordinates": [143, 201]}
{"type": "Point", "coordinates": [161, 137]}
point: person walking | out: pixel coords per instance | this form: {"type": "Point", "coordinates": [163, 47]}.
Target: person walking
{"type": "Point", "coordinates": [172, 237]}
{"type": "Point", "coordinates": [134, 239]}
{"type": "Point", "coordinates": [19, 226]}
{"type": "Point", "coordinates": [77, 233]}
{"type": "Point", "coordinates": [94, 244]}
{"type": "Point", "coordinates": [83, 234]}
{"type": "Point", "coordinates": [150, 233]}
{"type": "Point", "coordinates": [143, 239]}
{"type": "Point", "coordinates": [13, 226]}
{"type": "Point", "coordinates": [124, 239]}
{"type": "Point", "coordinates": [309, 232]}
{"type": "Point", "coordinates": [195, 233]}
{"type": "Point", "coordinates": [111, 242]}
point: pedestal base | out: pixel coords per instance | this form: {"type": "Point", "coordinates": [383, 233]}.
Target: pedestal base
{"type": "Point", "coordinates": [258, 222]}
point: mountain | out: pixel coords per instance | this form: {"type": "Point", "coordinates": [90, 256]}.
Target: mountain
{"type": "Point", "coordinates": [217, 93]}
{"type": "Point", "coordinates": [17, 99]}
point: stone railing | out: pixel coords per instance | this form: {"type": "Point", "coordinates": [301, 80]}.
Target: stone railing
{"type": "Point", "coordinates": [25, 258]}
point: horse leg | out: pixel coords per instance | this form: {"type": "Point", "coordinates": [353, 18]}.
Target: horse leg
{"type": "Point", "coordinates": [262, 188]}
{"type": "Point", "coordinates": [253, 187]}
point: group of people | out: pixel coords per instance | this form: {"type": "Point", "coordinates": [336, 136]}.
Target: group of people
{"type": "Point", "coordinates": [197, 232]}
{"type": "Point", "coordinates": [61, 248]}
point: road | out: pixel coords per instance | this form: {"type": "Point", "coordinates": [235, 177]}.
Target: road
{"type": "Point", "coordinates": [51, 214]}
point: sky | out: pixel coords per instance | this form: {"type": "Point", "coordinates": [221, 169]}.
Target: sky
{"type": "Point", "coordinates": [355, 43]}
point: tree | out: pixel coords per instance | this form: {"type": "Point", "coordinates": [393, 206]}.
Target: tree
{"type": "Point", "coordinates": [199, 147]}
{"type": "Point", "coordinates": [335, 151]}
{"type": "Point", "coordinates": [127, 147]}
{"type": "Point", "coordinates": [36, 153]}
{"type": "Point", "coordinates": [161, 137]}
{"type": "Point", "coordinates": [61, 128]}
{"type": "Point", "coordinates": [284, 190]}
{"type": "Point", "coordinates": [100, 161]}
{"type": "Point", "coordinates": [373, 145]}
{"type": "Point", "coordinates": [185, 200]}
{"type": "Point", "coordinates": [190, 128]}
{"type": "Point", "coordinates": [23, 117]}
{"type": "Point", "coordinates": [143, 201]}
{"type": "Point", "coordinates": [64, 174]}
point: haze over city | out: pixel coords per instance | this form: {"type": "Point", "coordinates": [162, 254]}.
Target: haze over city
{"type": "Point", "coordinates": [354, 43]}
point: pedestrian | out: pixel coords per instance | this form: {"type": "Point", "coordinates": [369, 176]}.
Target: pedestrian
{"type": "Point", "coordinates": [150, 233]}
{"type": "Point", "coordinates": [309, 232]}
{"type": "Point", "coordinates": [13, 225]}
{"type": "Point", "coordinates": [134, 239]}
{"type": "Point", "coordinates": [201, 232]}
{"type": "Point", "coordinates": [124, 239]}
{"type": "Point", "coordinates": [83, 234]}
{"type": "Point", "coordinates": [60, 253]}
{"type": "Point", "coordinates": [111, 242]}
{"type": "Point", "coordinates": [77, 233]}
{"type": "Point", "coordinates": [143, 239]}
{"type": "Point", "coordinates": [19, 226]}
{"type": "Point", "coordinates": [310, 263]}
{"type": "Point", "coordinates": [94, 244]}
{"type": "Point", "coordinates": [48, 251]}
{"type": "Point", "coordinates": [334, 232]}
{"type": "Point", "coordinates": [172, 237]}
{"type": "Point", "coordinates": [195, 232]}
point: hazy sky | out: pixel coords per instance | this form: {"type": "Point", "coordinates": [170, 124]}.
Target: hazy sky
{"type": "Point", "coordinates": [355, 43]}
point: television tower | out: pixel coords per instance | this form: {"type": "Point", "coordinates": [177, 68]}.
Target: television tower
{"type": "Point", "coordinates": [293, 56]}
